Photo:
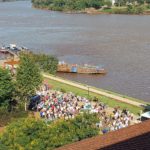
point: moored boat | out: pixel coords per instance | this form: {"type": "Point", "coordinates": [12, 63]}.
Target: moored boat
{"type": "Point", "coordinates": [85, 69]}
{"type": "Point", "coordinates": [11, 51]}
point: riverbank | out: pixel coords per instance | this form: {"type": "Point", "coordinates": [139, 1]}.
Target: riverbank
{"type": "Point", "coordinates": [92, 11]}
{"type": "Point", "coordinates": [128, 10]}
{"type": "Point", "coordinates": [111, 100]}
{"type": "Point", "coordinates": [84, 8]}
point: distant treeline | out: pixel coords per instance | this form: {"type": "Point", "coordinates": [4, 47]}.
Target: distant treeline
{"type": "Point", "coordinates": [6, 0]}
{"type": "Point", "coordinates": [10, 0]}
{"type": "Point", "coordinates": [66, 5]}
{"type": "Point", "coordinates": [103, 6]}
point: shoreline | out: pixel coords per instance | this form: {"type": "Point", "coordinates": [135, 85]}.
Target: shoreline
{"type": "Point", "coordinates": [93, 12]}
{"type": "Point", "coordinates": [96, 90]}
{"type": "Point", "coordinates": [111, 99]}
{"type": "Point", "coordinates": [109, 94]}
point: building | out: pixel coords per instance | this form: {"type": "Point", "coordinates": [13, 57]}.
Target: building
{"type": "Point", "coordinates": [135, 137]}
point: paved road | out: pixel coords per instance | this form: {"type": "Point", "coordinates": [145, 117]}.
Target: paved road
{"type": "Point", "coordinates": [91, 89]}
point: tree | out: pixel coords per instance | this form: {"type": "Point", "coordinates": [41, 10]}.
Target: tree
{"type": "Point", "coordinates": [140, 2]}
{"type": "Point", "coordinates": [32, 134]}
{"type": "Point", "coordinates": [6, 87]}
{"type": "Point", "coordinates": [28, 77]}
{"type": "Point", "coordinates": [148, 1]}
{"type": "Point", "coordinates": [47, 63]}
{"type": "Point", "coordinates": [108, 3]}
{"type": "Point", "coordinates": [61, 5]}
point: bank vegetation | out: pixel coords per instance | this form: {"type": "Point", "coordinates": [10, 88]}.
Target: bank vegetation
{"type": "Point", "coordinates": [95, 6]}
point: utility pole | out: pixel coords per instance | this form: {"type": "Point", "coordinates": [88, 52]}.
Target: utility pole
{"type": "Point", "coordinates": [88, 88]}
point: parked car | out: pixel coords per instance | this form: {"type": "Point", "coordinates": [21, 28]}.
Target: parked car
{"type": "Point", "coordinates": [34, 101]}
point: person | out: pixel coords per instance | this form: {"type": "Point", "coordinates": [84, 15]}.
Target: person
{"type": "Point", "coordinates": [55, 104]}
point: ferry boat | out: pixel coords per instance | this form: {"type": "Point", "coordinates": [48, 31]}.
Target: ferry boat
{"type": "Point", "coordinates": [75, 68]}
{"type": "Point", "coordinates": [13, 51]}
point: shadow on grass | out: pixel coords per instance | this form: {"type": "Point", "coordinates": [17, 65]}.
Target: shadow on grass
{"type": "Point", "coordinates": [146, 108]}
{"type": "Point", "coordinates": [7, 117]}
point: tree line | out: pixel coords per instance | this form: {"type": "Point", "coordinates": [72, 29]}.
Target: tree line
{"type": "Point", "coordinates": [130, 6]}
{"type": "Point", "coordinates": [66, 5]}
{"type": "Point", "coordinates": [30, 133]}
{"type": "Point", "coordinates": [28, 78]}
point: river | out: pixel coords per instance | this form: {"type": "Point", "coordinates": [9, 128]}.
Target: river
{"type": "Point", "coordinates": [120, 43]}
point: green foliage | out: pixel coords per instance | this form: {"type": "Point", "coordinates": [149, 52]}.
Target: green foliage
{"type": "Point", "coordinates": [132, 9]}
{"type": "Point", "coordinates": [148, 1]}
{"type": "Point", "coordinates": [62, 5]}
{"type": "Point", "coordinates": [7, 117]}
{"type": "Point", "coordinates": [148, 6]}
{"type": "Point", "coordinates": [121, 2]}
{"type": "Point", "coordinates": [28, 76]}
{"type": "Point", "coordinates": [47, 63]}
{"type": "Point", "coordinates": [6, 87]}
{"type": "Point", "coordinates": [63, 90]}
{"type": "Point", "coordinates": [77, 5]}
{"type": "Point", "coordinates": [119, 10]}
{"type": "Point", "coordinates": [31, 134]}
{"type": "Point", "coordinates": [108, 3]}
{"type": "Point", "coordinates": [85, 125]}
{"type": "Point", "coordinates": [140, 1]}
{"type": "Point", "coordinates": [108, 101]}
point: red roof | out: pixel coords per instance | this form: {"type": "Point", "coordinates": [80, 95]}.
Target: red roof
{"type": "Point", "coordinates": [135, 137]}
{"type": "Point", "coordinates": [12, 62]}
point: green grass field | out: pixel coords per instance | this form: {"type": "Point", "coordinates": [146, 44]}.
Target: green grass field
{"type": "Point", "coordinates": [110, 102]}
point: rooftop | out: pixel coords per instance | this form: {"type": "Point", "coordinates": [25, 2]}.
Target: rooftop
{"type": "Point", "coordinates": [135, 137]}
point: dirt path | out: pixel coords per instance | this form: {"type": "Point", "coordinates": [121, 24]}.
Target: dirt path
{"type": "Point", "coordinates": [91, 89]}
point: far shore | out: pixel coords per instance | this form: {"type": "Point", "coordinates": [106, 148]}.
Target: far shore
{"type": "Point", "coordinates": [92, 11]}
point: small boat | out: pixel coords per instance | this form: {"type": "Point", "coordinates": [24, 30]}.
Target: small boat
{"type": "Point", "coordinates": [12, 50]}
{"type": "Point", "coordinates": [74, 68]}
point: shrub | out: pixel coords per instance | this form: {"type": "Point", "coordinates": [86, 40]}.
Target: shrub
{"type": "Point", "coordinates": [62, 90]}
{"type": "Point", "coordinates": [139, 9]}
{"type": "Point", "coordinates": [119, 10]}
{"type": "Point", "coordinates": [108, 3]}
{"type": "Point", "coordinates": [132, 9]}
{"type": "Point", "coordinates": [31, 134]}
{"type": "Point", "coordinates": [140, 1]}
{"type": "Point", "coordinates": [148, 1]}
{"type": "Point", "coordinates": [6, 87]}
{"type": "Point", "coordinates": [47, 63]}
{"type": "Point", "coordinates": [148, 6]}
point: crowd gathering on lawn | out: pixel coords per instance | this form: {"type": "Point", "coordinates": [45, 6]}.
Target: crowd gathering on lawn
{"type": "Point", "coordinates": [56, 104]}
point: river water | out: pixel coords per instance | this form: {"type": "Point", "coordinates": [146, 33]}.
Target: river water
{"type": "Point", "coordinates": [120, 43]}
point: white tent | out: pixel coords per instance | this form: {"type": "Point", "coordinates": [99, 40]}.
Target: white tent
{"type": "Point", "coordinates": [145, 115]}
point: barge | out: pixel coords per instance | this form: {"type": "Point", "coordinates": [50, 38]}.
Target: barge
{"type": "Point", "coordinates": [12, 54]}
{"type": "Point", "coordinates": [82, 69]}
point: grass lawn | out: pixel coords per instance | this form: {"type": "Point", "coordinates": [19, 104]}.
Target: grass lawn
{"type": "Point", "coordinates": [110, 102]}
{"type": "Point", "coordinates": [109, 10]}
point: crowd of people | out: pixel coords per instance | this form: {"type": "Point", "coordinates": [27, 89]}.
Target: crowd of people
{"type": "Point", "coordinates": [56, 104]}
{"type": "Point", "coordinates": [115, 120]}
